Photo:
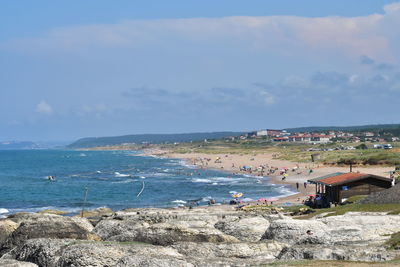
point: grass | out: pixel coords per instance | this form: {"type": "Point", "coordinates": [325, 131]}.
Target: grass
{"type": "Point", "coordinates": [394, 241]}
{"type": "Point", "coordinates": [355, 207]}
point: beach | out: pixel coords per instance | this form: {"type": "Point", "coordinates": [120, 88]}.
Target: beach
{"type": "Point", "coordinates": [296, 176]}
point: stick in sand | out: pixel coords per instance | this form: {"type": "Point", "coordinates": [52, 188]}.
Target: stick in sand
{"type": "Point", "coordinates": [84, 200]}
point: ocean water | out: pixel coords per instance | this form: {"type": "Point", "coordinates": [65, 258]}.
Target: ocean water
{"type": "Point", "coordinates": [114, 179]}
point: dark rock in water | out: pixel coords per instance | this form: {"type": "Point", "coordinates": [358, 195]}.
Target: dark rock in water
{"type": "Point", "coordinates": [15, 263]}
{"type": "Point", "coordinates": [388, 196]}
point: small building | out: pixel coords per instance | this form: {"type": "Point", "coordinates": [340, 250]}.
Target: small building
{"type": "Point", "coordinates": [270, 132]}
{"type": "Point", "coordinates": [337, 187]}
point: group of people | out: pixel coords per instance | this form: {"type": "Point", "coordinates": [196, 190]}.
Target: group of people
{"type": "Point", "coordinates": [318, 201]}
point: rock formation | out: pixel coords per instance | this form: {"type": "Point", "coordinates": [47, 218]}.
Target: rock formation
{"type": "Point", "coordinates": [196, 237]}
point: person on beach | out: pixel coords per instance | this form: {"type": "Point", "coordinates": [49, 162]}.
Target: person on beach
{"type": "Point", "coordinates": [297, 185]}
{"type": "Point", "coordinates": [305, 184]}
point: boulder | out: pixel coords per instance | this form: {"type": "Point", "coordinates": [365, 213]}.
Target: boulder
{"type": "Point", "coordinates": [253, 251]}
{"type": "Point", "coordinates": [348, 253]}
{"type": "Point", "coordinates": [48, 226]}
{"type": "Point", "coordinates": [147, 231]}
{"type": "Point", "coordinates": [118, 230]}
{"type": "Point", "coordinates": [51, 211]}
{"type": "Point", "coordinates": [42, 251]}
{"type": "Point", "coordinates": [249, 229]}
{"type": "Point", "coordinates": [361, 228]}
{"type": "Point", "coordinates": [15, 263]}
{"type": "Point", "coordinates": [63, 252]}
{"type": "Point", "coordinates": [139, 261]}
{"type": "Point", "coordinates": [6, 229]}
{"type": "Point", "coordinates": [292, 231]}
{"type": "Point", "coordinates": [166, 234]}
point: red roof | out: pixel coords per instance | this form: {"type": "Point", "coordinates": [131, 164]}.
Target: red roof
{"type": "Point", "coordinates": [342, 178]}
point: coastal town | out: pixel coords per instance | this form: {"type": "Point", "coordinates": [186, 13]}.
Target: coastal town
{"type": "Point", "coordinates": [322, 137]}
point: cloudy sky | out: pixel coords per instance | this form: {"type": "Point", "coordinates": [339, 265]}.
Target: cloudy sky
{"type": "Point", "coordinates": [71, 69]}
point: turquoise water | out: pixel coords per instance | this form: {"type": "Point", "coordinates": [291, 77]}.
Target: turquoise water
{"type": "Point", "coordinates": [113, 179]}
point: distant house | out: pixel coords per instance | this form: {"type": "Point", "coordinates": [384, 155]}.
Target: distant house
{"type": "Point", "coordinates": [321, 138]}
{"type": "Point", "coordinates": [281, 139]}
{"type": "Point", "coordinates": [369, 134]}
{"type": "Point", "coordinates": [337, 187]}
{"type": "Point", "coordinates": [269, 132]}
{"type": "Point", "coordinates": [300, 138]}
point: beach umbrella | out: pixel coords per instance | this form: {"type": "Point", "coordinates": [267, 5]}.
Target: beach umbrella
{"type": "Point", "coordinates": [237, 195]}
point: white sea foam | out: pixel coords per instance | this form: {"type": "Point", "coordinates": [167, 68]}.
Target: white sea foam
{"type": "Point", "coordinates": [179, 201]}
{"type": "Point", "coordinates": [199, 180]}
{"type": "Point", "coordinates": [218, 180]}
{"type": "Point", "coordinates": [69, 210]}
{"type": "Point", "coordinates": [98, 172]}
{"type": "Point", "coordinates": [117, 174]}
{"type": "Point", "coordinates": [2, 211]}
{"type": "Point", "coordinates": [123, 182]}
{"type": "Point", "coordinates": [204, 199]}
{"type": "Point", "coordinates": [82, 155]}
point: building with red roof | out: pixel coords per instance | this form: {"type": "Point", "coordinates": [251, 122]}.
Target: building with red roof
{"type": "Point", "coordinates": [337, 187]}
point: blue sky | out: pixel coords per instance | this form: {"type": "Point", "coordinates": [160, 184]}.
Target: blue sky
{"type": "Point", "coordinates": [70, 69]}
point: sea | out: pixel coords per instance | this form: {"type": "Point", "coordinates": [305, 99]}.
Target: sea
{"type": "Point", "coordinates": [116, 179]}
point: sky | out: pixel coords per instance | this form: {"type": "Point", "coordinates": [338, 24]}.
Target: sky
{"type": "Point", "coordinates": [72, 69]}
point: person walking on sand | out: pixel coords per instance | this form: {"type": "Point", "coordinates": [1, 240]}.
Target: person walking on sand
{"type": "Point", "coordinates": [305, 184]}
{"type": "Point", "coordinates": [297, 185]}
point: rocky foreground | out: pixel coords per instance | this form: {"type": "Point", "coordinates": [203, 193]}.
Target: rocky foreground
{"type": "Point", "coordinates": [195, 237]}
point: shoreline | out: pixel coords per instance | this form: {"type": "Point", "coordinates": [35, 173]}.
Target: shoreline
{"type": "Point", "coordinates": [295, 178]}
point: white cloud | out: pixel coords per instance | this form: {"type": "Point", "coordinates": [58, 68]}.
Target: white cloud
{"type": "Point", "coordinates": [355, 36]}
{"type": "Point", "coordinates": [44, 108]}
{"type": "Point", "coordinates": [394, 7]}
{"type": "Point", "coordinates": [268, 98]}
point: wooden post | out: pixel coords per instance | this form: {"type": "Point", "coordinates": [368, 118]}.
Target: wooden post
{"type": "Point", "coordinates": [84, 201]}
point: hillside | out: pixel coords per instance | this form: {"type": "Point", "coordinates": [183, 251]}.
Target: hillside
{"type": "Point", "coordinates": [148, 138]}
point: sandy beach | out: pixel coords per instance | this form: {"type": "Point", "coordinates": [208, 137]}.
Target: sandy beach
{"type": "Point", "coordinates": [233, 163]}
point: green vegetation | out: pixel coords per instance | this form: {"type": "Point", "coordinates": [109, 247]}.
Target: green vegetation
{"type": "Point", "coordinates": [147, 138]}
{"type": "Point", "coordinates": [394, 241]}
{"type": "Point", "coordinates": [354, 207]}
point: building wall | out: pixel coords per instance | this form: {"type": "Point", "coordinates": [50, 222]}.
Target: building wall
{"type": "Point", "coordinates": [363, 187]}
